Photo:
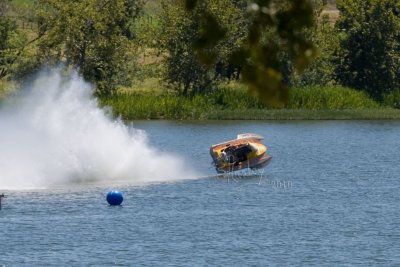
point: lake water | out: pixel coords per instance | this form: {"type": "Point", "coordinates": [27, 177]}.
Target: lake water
{"type": "Point", "coordinates": [329, 197]}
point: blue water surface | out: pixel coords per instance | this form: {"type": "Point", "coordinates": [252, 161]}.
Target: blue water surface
{"type": "Point", "coordinates": [330, 197]}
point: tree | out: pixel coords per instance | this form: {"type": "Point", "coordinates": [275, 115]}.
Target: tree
{"type": "Point", "coordinates": [285, 21]}
{"type": "Point", "coordinates": [7, 28]}
{"type": "Point", "coordinates": [325, 38]}
{"type": "Point", "coordinates": [16, 60]}
{"type": "Point", "coordinates": [179, 37]}
{"type": "Point", "coordinates": [371, 45]}
{"type": "Point", "coordinates": [92, 35]}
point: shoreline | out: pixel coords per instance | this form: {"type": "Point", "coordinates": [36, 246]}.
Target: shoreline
{"type": "Point", "coordinates": [234, 103]}
{"type": "Point", "coordinates": [283, 115]}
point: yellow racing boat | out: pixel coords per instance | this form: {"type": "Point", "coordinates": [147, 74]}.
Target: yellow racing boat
{"type": "Point", "coordinates": [247, 151]}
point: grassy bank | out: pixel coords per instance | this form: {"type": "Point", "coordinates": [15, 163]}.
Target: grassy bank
{"type": "Point", "coordinates": [233, 103]}
{"type": "Point", "coordinates": [330, 98]}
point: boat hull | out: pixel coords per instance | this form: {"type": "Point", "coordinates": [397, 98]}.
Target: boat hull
{"type": "Point", "coordinates": [254, 165]}
{"type": "Point", "coordinates": [245, 153]}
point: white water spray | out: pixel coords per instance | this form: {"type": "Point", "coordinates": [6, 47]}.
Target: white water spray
{"type": "Point", "coordinates": [56, 134]}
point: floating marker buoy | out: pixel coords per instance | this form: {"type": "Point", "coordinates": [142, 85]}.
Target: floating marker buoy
{"type": "Point", "coordinates": [114, 198]}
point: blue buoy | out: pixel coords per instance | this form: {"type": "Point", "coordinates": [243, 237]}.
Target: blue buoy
{"type": "Point", "coordinates": [114, 198]}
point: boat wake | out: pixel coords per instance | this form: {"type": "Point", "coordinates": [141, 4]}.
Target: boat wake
{"type": "Point", "coordinates": [54, 133]}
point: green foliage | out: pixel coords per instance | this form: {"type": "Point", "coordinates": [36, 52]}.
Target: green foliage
{"type": "Point", "coordinates": [16, 39]}
{"type": "Point", "coordinates": [23, 3]}
{"type": "Point", "coordinates": [6, 89]}
{"type": "Point", "coordinates": [262, 67]}
{"type": "Point", "coordinates": [322, 70]}
{"type": "Point", "coordinates": [234, 99]}
{"type": "Point", "coordinates": [7, 29]}
{"type": "Point", "coordinates": [392, 99]}
{"type": "Point", "coordinates": [324, 38]}
{"type": "Point", "coordinates": [234, 103]}
{"type": "Point", "coordinates": [91, 35]}
{"type": "Point", "coordinates": [180, 35]}
{"type": "Point", "coordinates": [149, 105]}
{"type": "Point", "coordinates": [15, 58]}
{"type": "Point", "coordinates": [370, 42]}
{"type": "Point", "coordinates": [329, 98]}
{"type": "Point", "coordinates": [3, 88]}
